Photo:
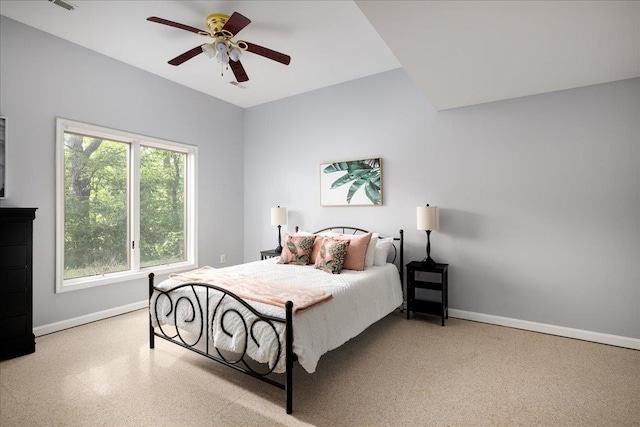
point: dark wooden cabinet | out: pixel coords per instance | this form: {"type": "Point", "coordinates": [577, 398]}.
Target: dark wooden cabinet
{"type": "Point", "coordinates": [16, 282]}
{"type": "Point", "coordinates": [434, 277]}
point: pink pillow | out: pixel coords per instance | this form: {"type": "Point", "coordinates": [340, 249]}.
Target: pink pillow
{"type": "Point", "coordinates": [316, 249]}
{"type": "Point", "coordinates": [357, 252]}
{"type": "Point", "coordinates": [332, 255]}
{"type": "Point", "coordinates": [297, 250]}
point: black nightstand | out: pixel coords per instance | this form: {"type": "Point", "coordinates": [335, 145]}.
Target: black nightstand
{"type": "Point", "coordinates": [269, 253]}
{"type": "Point", "coordinates": [433, 277]}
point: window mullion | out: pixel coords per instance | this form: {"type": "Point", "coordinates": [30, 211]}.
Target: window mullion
{"type": "Point", "coordinates": [134, 213]}
{"type": "Point", "coordinates": [191, 206]}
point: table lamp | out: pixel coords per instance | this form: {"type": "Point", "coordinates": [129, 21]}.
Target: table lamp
{"type": "Point", "coordinates": [279, 218]}
{"type": "Point", "coordinates": [428, 220]}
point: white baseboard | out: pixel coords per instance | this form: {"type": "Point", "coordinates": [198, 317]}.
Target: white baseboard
{"type": "Point", "coordinates": [544, 328]}
{"type": "Point", "coordinates": [633, 343]}
{"type": "Point", "coordinates": [88, 318]}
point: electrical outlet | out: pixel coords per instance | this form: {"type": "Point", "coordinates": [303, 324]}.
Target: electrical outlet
{"type": "Point", "coordinates": [223, 259]}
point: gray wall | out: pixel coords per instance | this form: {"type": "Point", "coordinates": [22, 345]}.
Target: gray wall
{"type": "Point", "coordinates": [43, 77]}
{"type": "Point", "coordinates": [539, 196]}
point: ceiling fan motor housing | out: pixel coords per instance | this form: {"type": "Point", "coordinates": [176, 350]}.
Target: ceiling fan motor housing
{"type": "Point", "coordinates": [216, 21]}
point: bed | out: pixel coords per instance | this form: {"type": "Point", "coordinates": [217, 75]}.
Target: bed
{"type": "Point", "coordinates": [265, 340]}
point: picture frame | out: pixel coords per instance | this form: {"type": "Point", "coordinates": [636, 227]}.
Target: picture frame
{"type": "Point", "coordinates": [351, 183]}
{"type": "Point", "coordinates": [3, 157]}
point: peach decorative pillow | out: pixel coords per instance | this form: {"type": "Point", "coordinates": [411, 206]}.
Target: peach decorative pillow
{"type": "Point", "coordinates": [332, 255]}
{"type": "Point", "coordinates": [316, 249]}
{"type": "Point", "coordinates": [356, 254]}
{"type": "Point", "coordinates": [297, 250]}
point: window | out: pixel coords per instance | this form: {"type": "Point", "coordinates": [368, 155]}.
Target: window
{"type": "Point", "coordinates": [125, 206]}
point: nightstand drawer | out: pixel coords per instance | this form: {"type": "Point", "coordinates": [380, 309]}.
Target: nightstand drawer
{"type": "Point", "coordinates": [427, 276]}
{"type": "Point", "coordinates": [426, 280]}
{"type": "Point", "coordinates": [427, 307]}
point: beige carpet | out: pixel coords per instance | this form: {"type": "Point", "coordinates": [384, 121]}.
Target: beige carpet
{"type": "Point", "coordinates": [398, 372]}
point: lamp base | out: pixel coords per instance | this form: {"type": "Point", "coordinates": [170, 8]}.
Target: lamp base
{"type": "Point", "coordinates": [278, 249]}
{"type": "Point", "coordinates": [429, 261]}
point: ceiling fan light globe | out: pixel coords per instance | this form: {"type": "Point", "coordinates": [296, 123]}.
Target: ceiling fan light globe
{"type": "Point", "coordinates": [209, 50]}
{"type": "Point", "coordinates": [235, 54]}
{"type": "Point", "coordinates": [221, 45]}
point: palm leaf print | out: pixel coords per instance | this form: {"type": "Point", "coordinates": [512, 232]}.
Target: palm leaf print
{"type": "Point", "coordinates": [360, 173]}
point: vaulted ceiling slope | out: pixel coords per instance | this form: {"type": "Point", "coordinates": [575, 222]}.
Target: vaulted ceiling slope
{"type": "Point", "coordinates": [458, 52]}
{"type": "Point", "coordinates": [470, 52]}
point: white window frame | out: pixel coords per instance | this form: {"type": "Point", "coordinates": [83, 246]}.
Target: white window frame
{"type": "Point", "coordinates": [135, 141]}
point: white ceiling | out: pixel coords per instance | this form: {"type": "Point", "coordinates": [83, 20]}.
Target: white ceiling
{"type": "Point", "coordinates": [329, 42]}
{"type": "Point", "coordinates": [458, 52]}
{"type": "Point", "coordinates": [470, 52]}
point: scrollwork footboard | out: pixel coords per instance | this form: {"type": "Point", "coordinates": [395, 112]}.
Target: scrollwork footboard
{"type": "Point", "coordinates": [221, 326]}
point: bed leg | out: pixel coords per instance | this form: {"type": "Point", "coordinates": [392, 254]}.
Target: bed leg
{"type": "Point", "coordinates": [402, 259]}
{"type": "Point", "coordinates": [152, 340]}
{"type": "Point", "coordinates": [404, 298]}
{"type": "Point", "coordinates": [289, 356]}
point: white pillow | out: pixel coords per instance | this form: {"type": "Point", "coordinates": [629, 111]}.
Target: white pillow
{"type": "Point", "coordinates": [382, 251]}
{"type": "Point", "coordinates": [371, 250]}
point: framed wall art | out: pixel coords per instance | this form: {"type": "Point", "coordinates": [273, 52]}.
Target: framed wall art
{"type": "Point", "coordinates": [351, 183]}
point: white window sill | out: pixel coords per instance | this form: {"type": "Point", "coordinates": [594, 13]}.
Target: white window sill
{"type": "Point", "coordinates": [125, 276]}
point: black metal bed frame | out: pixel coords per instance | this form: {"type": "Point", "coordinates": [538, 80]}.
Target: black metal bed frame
{"type": "Point", "coordinates": [239, 363]}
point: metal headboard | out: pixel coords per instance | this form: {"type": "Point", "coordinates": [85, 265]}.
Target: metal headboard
{"type": "Point", "coordinates": [398, 254]}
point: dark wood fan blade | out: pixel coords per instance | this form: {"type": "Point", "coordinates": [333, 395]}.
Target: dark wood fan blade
{"type": "Point", "coordinates": [175, 24]}
{"type": "Point", "coordinates": [236, 23]}
{"type": "Point", "coordinates": [268, 53]}
{"type": "Point", "coordinates": [238, 71]}
{"type": "Point", "coordinates": [186, 56]}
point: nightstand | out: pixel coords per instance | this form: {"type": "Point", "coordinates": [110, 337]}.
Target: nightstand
{"type": "Point", "coordinates": [433, 277]}
{"type": "Point", "coordinates": [268, 253]}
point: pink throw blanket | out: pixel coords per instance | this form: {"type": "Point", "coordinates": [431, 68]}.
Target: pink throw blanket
{"type": "Point", "coordinates": [256, 288]}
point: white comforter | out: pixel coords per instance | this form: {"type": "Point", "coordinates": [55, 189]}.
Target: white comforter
{"type": "Point", "coordinates": [360, 298]}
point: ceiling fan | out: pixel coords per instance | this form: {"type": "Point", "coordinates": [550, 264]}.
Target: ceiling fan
{"type": "Point", "coordinates": [222, 29]}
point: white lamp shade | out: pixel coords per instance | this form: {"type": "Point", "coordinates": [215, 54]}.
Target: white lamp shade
{"type": "Point", "coordinates": [428, 218]}
{"type": "Point", "coordinates": [278, 216]}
